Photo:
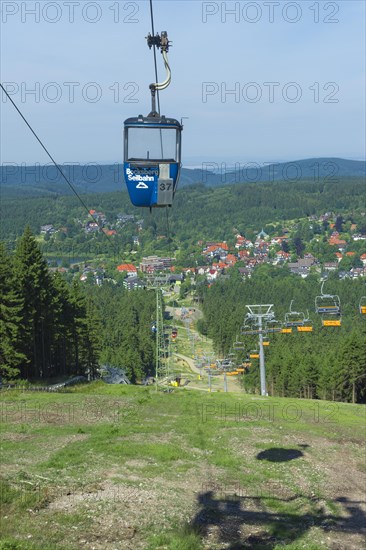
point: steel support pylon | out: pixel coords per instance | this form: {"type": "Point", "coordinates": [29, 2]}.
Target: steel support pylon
{"type": "Point", "coordinates": [257, 314]}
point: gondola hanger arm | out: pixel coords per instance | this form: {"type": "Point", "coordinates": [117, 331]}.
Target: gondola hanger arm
{"type": "Point", "coordinates": [160, 42]}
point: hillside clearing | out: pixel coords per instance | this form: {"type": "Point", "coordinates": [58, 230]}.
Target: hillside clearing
{"type": "Point", "coordinates": [126, 467]}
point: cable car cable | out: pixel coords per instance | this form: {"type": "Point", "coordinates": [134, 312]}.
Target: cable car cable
{"type": "Point", "coordinates": [53, 161]}
{"type": "Point", "coordinates": [156, 73]}
{"type": "Point", "coordinates": [45, 149]}
{"type": "Point", "coordinates": [155, 62]}
{"type": "Point", "coordinates": [158, 102]}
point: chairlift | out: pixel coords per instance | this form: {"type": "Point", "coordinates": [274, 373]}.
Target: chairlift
{"type": "Point", "coordinates": [329, 304]}
{"type": "Point", "coordinates": [307, 328]}
{"type": "Point", "coordinates": [273, 325]}
{"type": "Point", "coordinates": [331, 322]}
{"type": "Point", "coordinates": [248, 326]}
{"type": "Point", "coordinates": [295, 318]}
{"type": "Point", "coordinates": [362, 305]}
{"type": "Point", "coordinates": [250, 332]}
{"type": "Point", "coordinates": [254, 354]}
{"type": "Point", "coordinates": [238, 346]}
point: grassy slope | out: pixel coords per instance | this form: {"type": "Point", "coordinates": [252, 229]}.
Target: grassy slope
{"type": "Point", "coordinates": [126, 467]}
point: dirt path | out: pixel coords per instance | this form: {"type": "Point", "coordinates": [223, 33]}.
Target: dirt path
{"type": "Point", "coordinates": [217, 382]}
{"type": "Point", "coordinates": [206, 351]}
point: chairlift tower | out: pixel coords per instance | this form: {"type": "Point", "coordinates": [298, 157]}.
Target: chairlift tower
{"type": "Point", "coordinates": [258, 314]}
{"type": "Point", "coordinates": [162, 349]}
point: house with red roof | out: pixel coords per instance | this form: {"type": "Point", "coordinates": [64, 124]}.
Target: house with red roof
{"type": "Point", "coordinates": [130, 269]}
{"type": "Point", "coordinates": [339, 256]}
{"type": "Point", "coordinates": [231, 260]}
{"type": "Point", "coordinates": [212, 275]}
{"type": "Point", "coordinates": [243, 254]}
{"type": "Point", "coordinates": [336, 241]}
{"type": "Point", "coordinates": [216, 249]}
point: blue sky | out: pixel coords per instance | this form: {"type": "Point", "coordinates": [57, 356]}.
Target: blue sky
{"type": "Point", "coordinates": [313, 53]}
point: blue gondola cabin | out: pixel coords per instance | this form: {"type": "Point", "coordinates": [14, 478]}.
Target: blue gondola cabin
{"type": "Point", "coordinates": [152, 159]}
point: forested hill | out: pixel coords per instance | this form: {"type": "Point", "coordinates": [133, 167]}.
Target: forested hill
{"type": "Point", "coordinates": [198, 212]}
{"type": "Point", "coordinates": [38, 181]}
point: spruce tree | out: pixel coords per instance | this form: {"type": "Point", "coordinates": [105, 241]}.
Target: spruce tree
{"type": "Point", "coordinates": [84, 334]}
{"type": "Point", "coordinates": [11, 358]}
{"type": "Point", "coordinates": [34, 285]}
{"type": "Point", "coordinates": [92, 341]}
{"type": "Point", "coordinates": [63, 322]}
{"type": "Point", "coordinates": [352, 368]}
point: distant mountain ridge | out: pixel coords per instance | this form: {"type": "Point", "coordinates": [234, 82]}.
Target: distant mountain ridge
{"type": "Point", "coordinates": [45, 180]}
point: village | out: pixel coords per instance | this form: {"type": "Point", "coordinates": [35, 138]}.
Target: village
{"type": "Point", "coordinates": [213, 260]}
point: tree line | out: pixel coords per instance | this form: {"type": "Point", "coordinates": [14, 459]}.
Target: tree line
{"type": "Point", "coordinates": [217, 212]}
{"type": "Point", "coordinates": [47, 328]}
{"type": "Point", "coordinates": [127, 338]}
{"type": "Point", "coordinates": [329, 363]}
{"type": "Point", "coordinates": [50, 328]}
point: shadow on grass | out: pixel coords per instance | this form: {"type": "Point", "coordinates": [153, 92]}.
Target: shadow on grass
{"type": "Point", "coordinates": [279, 455]}
{"type": "Point", "coordinates": [250, 521]}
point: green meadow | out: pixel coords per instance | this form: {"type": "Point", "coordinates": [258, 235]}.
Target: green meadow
{"type": "Point", "coordinates": [109, 467]}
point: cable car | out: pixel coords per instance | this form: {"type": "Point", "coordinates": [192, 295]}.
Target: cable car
{"type": "Point", "coordinates": [362, 305]}
{"type": "Point", "coordinates": [152, 159]}
{"type": "Point", "coordinates": [152, 147]}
